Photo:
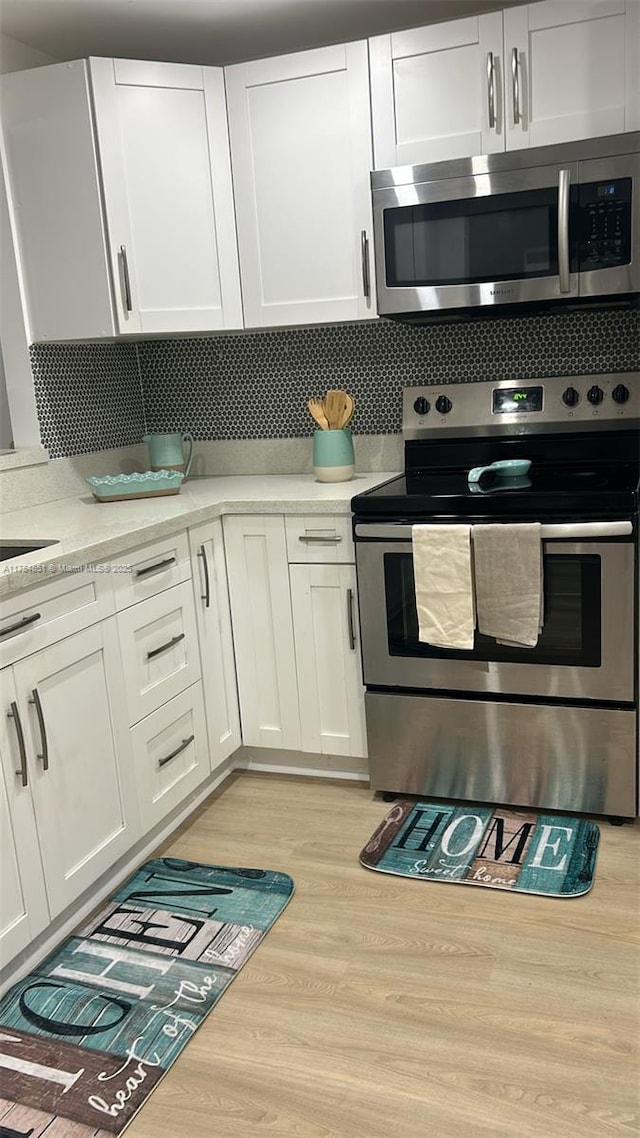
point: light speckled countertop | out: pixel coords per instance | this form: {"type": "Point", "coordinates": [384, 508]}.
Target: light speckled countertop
{"type": "Point", "coordinates": [88, 531]}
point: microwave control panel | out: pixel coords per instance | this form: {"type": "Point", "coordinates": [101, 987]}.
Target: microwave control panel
{"type": "Point", "coordinates": [605, 224]}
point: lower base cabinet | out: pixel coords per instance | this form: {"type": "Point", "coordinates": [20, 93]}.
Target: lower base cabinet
{"type": "Point", "coordinates": [67, 779]}
{"type": "Point", "coordinates": [330, 691]}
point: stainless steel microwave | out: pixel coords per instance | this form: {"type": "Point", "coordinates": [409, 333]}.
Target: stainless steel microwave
{"type": "Point", "coordinates": [551, 223]}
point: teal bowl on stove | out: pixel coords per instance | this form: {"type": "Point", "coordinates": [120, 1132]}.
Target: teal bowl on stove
{"type": "Point", "coordinates": [504, 468]}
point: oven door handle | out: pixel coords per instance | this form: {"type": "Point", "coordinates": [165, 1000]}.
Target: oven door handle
{"type": "Point", "coordinates": [560, 530]}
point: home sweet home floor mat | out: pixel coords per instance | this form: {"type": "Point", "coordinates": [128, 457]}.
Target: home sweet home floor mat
{"type": "Point", "coordinates": [86, 1037]}
{"type": "Point", "coordinates": [523, 851]}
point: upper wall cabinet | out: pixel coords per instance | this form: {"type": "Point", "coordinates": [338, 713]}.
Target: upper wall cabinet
{"type": "Point", "coordinates": [121, 181]}
{"type": "Point", "coordinates": [301, 154]}
{"type": "Point", "coordinates": [572, 70]}
{"type": "Point", "coordinates": [436, 92]}
{"type": "Point", "coordinates": [529, 76]}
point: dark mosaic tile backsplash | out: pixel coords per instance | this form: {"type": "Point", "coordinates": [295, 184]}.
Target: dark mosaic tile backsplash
{"type": "Point", "coordinates": [256, 385]}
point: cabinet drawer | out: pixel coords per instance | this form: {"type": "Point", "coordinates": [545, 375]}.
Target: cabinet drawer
{"type": "Point", "coordinates": [159, 646]}
{"type": "Point", "coordinates": [319, 538]}
{"type": "Point", "coordinates": [37, 617]}
{"type": "Point", "coordinates": [150, 569]}
{"type": "Point", "coordinates": [170, 755]}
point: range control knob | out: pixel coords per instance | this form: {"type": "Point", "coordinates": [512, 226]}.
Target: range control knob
{"type": "Point", "coordinates": [443, 405]}
{"type": "Point", "coordinates": [620, 394]}
{"type": "Point", "coordinates": [595, 395]}
{"type": "Point", "coordinates": [570, 397]}
{"type": "Point", "coordinates": [422, 406]}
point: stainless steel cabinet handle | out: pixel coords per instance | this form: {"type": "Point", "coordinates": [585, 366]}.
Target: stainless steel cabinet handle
{"type": "Point", "coordinates": [44, 757]}
{"type": "Point", "coordinates": [206, 596]}
{"type": "Point", "coordinates": [352, 635]}
{"type": "Point", "coordinates": [156, 568]}
{"type": "Point", "coordinates": [564, 181]}
{"type": "Point", "coordinates": [183, 746]}
{"type": "Point", "coordinates": [320, 539]}
{"type": "Point", "coordinates": [126, 280]}
{"type": "Point", "coordinates": [20, 625]}
{"type": "Point", "coordinates": [364, 253]}
{"type": "Point", "coordinates": [165, 647]}
{"type": "Point", "coordinates": [491, 90]}
{"type": "Point", "coordinates": [22, 769]}
{"type": "Point", "coordinates": [515, 83]}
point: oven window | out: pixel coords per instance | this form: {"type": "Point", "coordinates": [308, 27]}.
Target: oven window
{"type": "Point", "coordinates": [500, 237]}
{"type": "Point", "coordinates": [571, 633]}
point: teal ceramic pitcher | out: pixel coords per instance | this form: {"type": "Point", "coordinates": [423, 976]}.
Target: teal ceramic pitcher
{"type": "Point", "coordinates": [166, 453]}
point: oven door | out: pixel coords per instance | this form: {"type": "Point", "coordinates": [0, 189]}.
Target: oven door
{"type": "Point", "coordinates": [585, 651]}
{"type": "Point", "coordinates": [489, 239]}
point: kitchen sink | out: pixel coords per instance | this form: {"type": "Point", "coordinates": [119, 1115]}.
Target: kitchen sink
{"type": "Point", "coordinates": [9, 549]}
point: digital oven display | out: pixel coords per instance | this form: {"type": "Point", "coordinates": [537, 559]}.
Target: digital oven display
{"type": "Point", "coordinates": [507, 400]}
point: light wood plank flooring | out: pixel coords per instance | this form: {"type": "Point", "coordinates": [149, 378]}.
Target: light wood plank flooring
{"type": "Point", "coordinates": [379, 1007]}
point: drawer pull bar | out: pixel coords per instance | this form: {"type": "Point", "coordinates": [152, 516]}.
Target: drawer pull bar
{"type": "Point", "coordinates": [206, 596]}
{"type": "Point", "coordinates": [164, 647]}
{"type": "Point", "coordinates": [183, 746]}
{"type": "Point", "coordinates": [319, 539]}
{"type": "Point", "coordinates": [352, 635]}
{"type": "Point", "coordinates": [156, 567]}
{"type": "Point", "coordinates": [21, 624]}
{"type": "Point", "coordinates": [44, 757]}
{"type": "Point", "coordinates": [22, 769]}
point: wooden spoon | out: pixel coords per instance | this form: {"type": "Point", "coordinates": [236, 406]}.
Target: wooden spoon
{"type": "Point", "coordinates": [316, 410]}
{"type": "Point", "coordinates": [334, 408]}
{"type": "Point", "coordinates": [349, 408]}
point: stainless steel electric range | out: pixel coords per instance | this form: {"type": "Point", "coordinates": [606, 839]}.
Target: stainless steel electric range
{"type": "Point", "coordinates": [555, 726]}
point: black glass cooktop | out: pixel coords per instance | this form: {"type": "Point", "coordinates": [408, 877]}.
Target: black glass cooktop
{"type": "Point", "coordinates": [545, 491]}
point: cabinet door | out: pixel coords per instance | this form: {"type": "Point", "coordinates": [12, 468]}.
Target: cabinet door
{"type": "Point", "coordinates": [330, 687]}
{"type": "Point", "coordinates": [23, 902]}
{"type": "Point", "coordinates": [437, 92]}
{"type": "Point", "coordinates": [575, 70]}
{"type": "Point", "coordinates": [164, 154]}
{"type": "Point", "coordinates": [262, 630]}
{"type": "Point", "coordinates": [211, 595]}
{"type": "Point", "coordinates": [73, 714]}
{"type": "Point", "coordinates": [301, 150]}
{"type": "Point", "coordinates": [54, 179]}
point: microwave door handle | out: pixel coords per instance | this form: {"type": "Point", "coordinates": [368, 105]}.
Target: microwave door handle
{"type": "Point", "coordinates": [564, 182]}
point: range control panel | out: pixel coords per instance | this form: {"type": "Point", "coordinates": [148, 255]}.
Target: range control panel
{"type": "Point", "coordinates": [579, 402]}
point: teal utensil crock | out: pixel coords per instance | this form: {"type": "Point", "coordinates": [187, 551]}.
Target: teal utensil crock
{"type": "Point", "coordinates": [333, 455]}
{"type": "Point", "coordinates": [166, 453]}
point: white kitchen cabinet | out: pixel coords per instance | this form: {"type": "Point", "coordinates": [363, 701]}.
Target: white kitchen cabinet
{"type": "Point", "coordinates": [301, 154]}
{"type": "Point", "coordinates": [574, 66]}
{"type": "Point", "coordinates": [213, 616]}
{"type": "Point", "coordinates": [120, 176]}
{"type": "Point", "coordinates": [71, 704]}
{"type": "Point", "coordinates": [331, 693]}
{"type": "Point", "coordinates": [437, 92]}
{"type": "Point", "coordinates": [256, 552]}
{"type": "Point", "coordinates": [23, 901]}
{"type": "Point", "coordinates": [453, 90]}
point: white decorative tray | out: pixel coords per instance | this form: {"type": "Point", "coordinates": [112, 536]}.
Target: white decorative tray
{"type": "Point", "coordinates": [148, 484]}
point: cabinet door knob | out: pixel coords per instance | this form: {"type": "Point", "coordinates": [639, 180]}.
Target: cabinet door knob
{"type": "Point", "coordinates": [178, 751]}
{"type": "Point", "coordinates": [491, 90]}
{"type": "Point", "coordinates": [515, 83]}
{"type": "Point", "coordinates": [350, 624]}
{"type": "Point", "coordinates": [22, 769]}
{"type": "Point", "coordinates": [206, 596]}
{"type": "Point", "coordinates": [44, 756]}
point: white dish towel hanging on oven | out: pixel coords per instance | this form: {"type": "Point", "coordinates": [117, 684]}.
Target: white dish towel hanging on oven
{"type": "Point", "coordinates": [504, 563]}
{"type": "Point", "coordinates": [444, 585]}
{"type": "Point", "coordinates": [508, 577]}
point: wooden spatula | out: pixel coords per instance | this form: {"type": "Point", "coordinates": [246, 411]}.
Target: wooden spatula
{"type": "Point", "coordinates": [335, 405]}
